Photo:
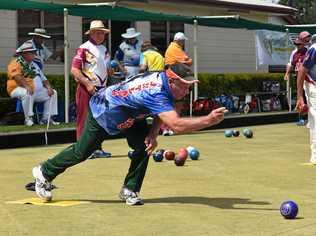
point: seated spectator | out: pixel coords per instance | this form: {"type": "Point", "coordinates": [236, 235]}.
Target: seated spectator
{"type": "Point", "coordinates": [27, 82]}
{"type": "Point", "coordinates": [150, 58]}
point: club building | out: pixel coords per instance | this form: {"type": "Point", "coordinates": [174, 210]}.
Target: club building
{"type": "Point", "coordinates": [219, 49]}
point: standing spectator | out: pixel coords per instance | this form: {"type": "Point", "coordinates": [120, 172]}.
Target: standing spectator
{"type": "Point", "coordinates": [150, 59]}
{"type": "Point", "coordinates": [42, 53]}
{"type": "Point", "coordinates": [298, 54]}
{"type": "Point", "coordinates": [27, 82]}
{"type": "Point", "coordinates": [175, 52]}
{"type": "Point", "coordinates": [307, 79]}
{"type": "Point", "coordinates": [128, 53]}
{"type": "Point", "coordinates": [90, 68]}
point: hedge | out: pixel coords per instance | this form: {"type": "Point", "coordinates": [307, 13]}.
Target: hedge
{"type": "Point", "coordinates": [237, 83]}
{"type": "Point", "coordinates": [210, 84]}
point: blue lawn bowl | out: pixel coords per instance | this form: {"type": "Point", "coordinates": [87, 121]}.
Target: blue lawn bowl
{"type": "Point", "coordinates": [130, 154]}
{"type": "Point", "coordinates": [301, 122]}
{"type": "Point", "coordinates": [289, 209]}
{"type": "Point", "coordinates": [228, 133]}
{"type": "Point", "coordinates": [194, 154]}
{"type": "Point", "coordinates": [247, 133]}
{"type": "Point", "coordinates": [114, 64]}
{"type": "Point", "coordinates": [158, 155]}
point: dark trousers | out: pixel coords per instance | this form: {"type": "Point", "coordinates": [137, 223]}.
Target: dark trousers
{"type": "Point", "coordinates": [91, 139]}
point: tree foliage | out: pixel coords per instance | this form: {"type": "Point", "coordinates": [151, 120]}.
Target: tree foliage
{"type": "Point", "coordinates": [306, 10]}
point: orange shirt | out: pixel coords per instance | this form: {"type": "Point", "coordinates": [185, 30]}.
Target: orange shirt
{"type": "Point", "coordinates": [14, 69]}
{"type": "Point", "coordinates": [175, 54]}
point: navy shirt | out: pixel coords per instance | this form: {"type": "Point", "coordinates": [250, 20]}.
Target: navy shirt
{"type": "Point", "coordinates": [310, 61]}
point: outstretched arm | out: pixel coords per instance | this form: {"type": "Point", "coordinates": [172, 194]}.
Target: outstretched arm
{"type": "Point", "coordinates": [183, 125]}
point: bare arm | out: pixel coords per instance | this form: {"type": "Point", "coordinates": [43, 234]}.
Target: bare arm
{"type": "Point", "coordinates": [302, 72]}
{"type": "Point", "coordinates": [49, 87]}
{"type": "Point", "coordinates": [142, 68]}
{"type": "Point", "coordinates": [183, 125]}
{"type": "Point", "coordinates": [288, 72]}
{"type": "Point", "coordinates": [80, 78]}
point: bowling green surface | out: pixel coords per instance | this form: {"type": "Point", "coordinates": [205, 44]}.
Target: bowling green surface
{"type": "Point", "coordinates": [235, 188]}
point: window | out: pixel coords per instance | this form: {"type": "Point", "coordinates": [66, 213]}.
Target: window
{"type": "Point", "coordinates": [162, 33]}
{"type": "Point", "coordinates": [158, 33]}
{"type": "Point", "coordinates": [54, 25]}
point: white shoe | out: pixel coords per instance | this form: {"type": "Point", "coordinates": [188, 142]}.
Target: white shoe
{"type": "Point", "coordinates": [42, 186]}
{"type": "Point", "coordinates": [44, 122]}
{"type": "Point", "coordinates": [167, 132]}
{"type": "Point", "coordinates": [131, 198]}
{"type": "Point", "coordinates": [28, 122]}
{"type": "Point", "coordinates": [313, 160]}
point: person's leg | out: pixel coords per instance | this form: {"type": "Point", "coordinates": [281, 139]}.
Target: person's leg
{"type": "Point", "coordinates": [90, 139]}
{"type": "Point", "coordinates": [27, 103]}
{"type": "Point", "coordinates": [82, 104]}
{"type": "Point", "coordinates": [310, 91]}
{"type": "Point", "coordinates": [135, 137]}
{"type": "Point", "coordinates": [50, 103]}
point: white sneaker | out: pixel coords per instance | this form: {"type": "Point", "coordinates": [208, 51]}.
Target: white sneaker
{"type": "Point", "coordinates": [167, 132]}
{"type": "Point", "coordinates": [44, 122]}
{"type": "Point", "coordinates": [131, 198]}
{"type": "Point", "coordinates": [313, 160]}
{"type": "Point", "coordinates": [42, 186]}
{"type": "Point", "coordinates": [28, 121]}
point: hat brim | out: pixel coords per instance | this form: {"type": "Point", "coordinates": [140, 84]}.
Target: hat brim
{"type": "Point", "coordinates": [41, 35]}
{"type": "Point", "coordinates": [189, 78]}
{"type": "Point", "coordinates": [103, 29]}
{"type": "Point", "coordinates": [130, 36]}
{"type": "Point", "coordinates": [27, 50]}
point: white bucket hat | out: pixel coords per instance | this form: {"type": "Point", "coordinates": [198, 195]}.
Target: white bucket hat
{"type": "Point", "coordinates": [39, 32]}
{"type": "Point", "coordinates": [180, 36]}
{"type": "Point", "coordinates": [97, 25]}
{"type": "Point", "coordinates": [26, 47]}
{"type": "Point", "coordinates": [130, 33]}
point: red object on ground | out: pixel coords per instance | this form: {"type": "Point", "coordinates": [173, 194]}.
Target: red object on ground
{"type": "Point", "coordinates": [183, 153]}
{"type": "Point", "coordinates": [178, 161]}
{"type": "Point", "coordinates": [169, 155]}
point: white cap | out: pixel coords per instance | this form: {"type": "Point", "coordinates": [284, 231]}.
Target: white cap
{"type": "Point", "coordinates": [179, 36]}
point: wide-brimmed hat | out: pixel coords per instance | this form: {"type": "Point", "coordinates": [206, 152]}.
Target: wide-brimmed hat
{"type": "Point", "coordinates": [182, 71]}
{"type": "Point", "coordinates": [97, 25]}
{"type": "Point", "coordinates": [26, 47]}
{"type": "Point", "coordinates": [39, 32]}
{"type": "Point", "coordinates": [130, 33]}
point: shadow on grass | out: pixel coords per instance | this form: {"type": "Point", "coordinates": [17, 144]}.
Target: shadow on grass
{"type": "Point", "coordinates": [222, 203]}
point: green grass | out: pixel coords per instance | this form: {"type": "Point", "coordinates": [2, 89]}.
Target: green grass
{"type": "Point", "coordinates": [23, 128]}
{"type": "Point", "coordinates": [235, 188]}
